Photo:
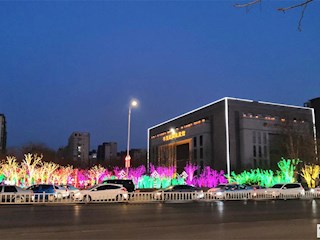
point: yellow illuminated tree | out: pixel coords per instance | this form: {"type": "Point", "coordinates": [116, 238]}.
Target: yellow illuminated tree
{"type": "Point", "coordinates": [30, 164]}
{"type": "Point", "coordinates": [62, 174]}
{"type": "Point", "coordinates": [10, 169]}
{"type": "Point", "coordinates": [310, 173]}
{"type": "Point", "coordinates": [96, 172]}
{"type": "Point", "coordinates": [46, 170]}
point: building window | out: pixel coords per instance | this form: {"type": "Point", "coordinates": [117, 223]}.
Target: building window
{"type": "Point", "coordinates": [201, 153]}
{"type": "Point", "coordinates": [260, 152]}
{"type": "Point", "coordinates": [264, 138]}
{"type": "Point", "coordinates": [254, 151]}
{"type": "Point", "coordinates": [195, 153]}
{"type": "Point", "coordinates": [201, 140]}
{"type": "Point", "coordinates": [265, 151]}
{"type": "Point", "coordinates": [195, 142]}
{"type": "Point", "coordinates": [259, 137]}
{"type": "Point", "coordinates": [254, 137]}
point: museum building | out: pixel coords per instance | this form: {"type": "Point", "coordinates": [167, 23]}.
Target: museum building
{"type": "Point", "coordinates": [229, 134]}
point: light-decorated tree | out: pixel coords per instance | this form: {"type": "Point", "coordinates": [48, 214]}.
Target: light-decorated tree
{"type": "Point", "coordinates": [11, 170]}
{"type": "Point", "coordinates": [30, 164]}
{"type": "Point", "coordinates": [311, 173]}
{"type": "Point", "coordinates": [96, 172]}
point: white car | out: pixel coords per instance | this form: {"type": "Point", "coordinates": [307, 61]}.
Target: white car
{"type": "Point", "coordinates": [283, 190]}
{"type": "Point", "coordinates": [71, 190]}
{"type": "Point", "coordinates": [12, 193]}
{"type": "Point", "coordinates": [103, 192]}
{"type": "Point", "coordinates": [61, 191]}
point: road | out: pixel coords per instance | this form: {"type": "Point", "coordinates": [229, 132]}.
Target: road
{"type": "Point", "coordinates": [291, 219]}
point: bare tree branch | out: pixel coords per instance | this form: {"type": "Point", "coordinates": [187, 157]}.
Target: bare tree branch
{"type": "Point", "coordinates": [246, 4]}
{"type": "Point", "coordinates": [295, 6]}
{"type": "Point", "coordinates": [301, 17]}
{"type": "Point", "coordinates": [303, 5]}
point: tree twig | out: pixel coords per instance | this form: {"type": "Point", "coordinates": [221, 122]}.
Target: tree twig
{"type": "Point", "coordinates": [295, 6]}
{"type": "Point", "coordinates": [246, 4]}
{"type": "Point", "coordinates": [301, 17]}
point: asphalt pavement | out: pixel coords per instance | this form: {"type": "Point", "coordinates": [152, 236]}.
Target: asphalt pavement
{"type": "Point", "coordinates": [273, 219]}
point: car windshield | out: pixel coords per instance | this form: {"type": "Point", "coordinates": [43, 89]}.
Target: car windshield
{"type": "Point", "coordinates": [230, 187]}
{"type": "Point", "coordinates": [168, 188]}
{"type": "Point", "coordinates": [277, 186]}
{"type": "Point", "coordinates": [92, 187]}
{"type": "Point", "coordinates": [72, 188]}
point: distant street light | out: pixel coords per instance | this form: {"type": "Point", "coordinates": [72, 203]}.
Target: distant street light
{"type": "Point", "coordinates": [133, 104]}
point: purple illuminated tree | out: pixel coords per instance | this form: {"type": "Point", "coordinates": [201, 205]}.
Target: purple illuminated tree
{"type": "Point", "coordinates": [190, 169]}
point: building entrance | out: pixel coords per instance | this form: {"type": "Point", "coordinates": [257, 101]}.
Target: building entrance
{"type": "Point", "coordinates": [182, 156]}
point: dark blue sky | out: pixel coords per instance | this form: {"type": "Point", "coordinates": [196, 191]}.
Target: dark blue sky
{"type": "Point", "coordinates": [73, 66]}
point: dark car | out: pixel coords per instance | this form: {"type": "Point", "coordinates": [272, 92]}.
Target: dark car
{"type": "Point", "coordinates": [180, 188]}
{"type": "Point", "coordinates": [127, 183]}
{"type": "Point", "coordinates": [50, 191]}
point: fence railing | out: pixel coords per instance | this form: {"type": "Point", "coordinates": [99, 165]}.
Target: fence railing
{"type": "Point", "coordinates": [149, 197]}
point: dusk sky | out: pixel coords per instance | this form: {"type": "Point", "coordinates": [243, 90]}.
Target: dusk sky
{"type": "Point", "coordinates": [74, 65]}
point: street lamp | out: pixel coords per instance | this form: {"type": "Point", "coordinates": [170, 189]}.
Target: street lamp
{"type": "Point", "coordinates": [133, 103]}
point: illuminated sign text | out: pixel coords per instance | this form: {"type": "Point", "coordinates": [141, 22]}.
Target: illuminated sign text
{"type": "Point", "coordinates": [174, 136]}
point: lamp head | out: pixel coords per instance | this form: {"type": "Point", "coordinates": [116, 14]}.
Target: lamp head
{"type": "Point", "coordinates": [134, 103]}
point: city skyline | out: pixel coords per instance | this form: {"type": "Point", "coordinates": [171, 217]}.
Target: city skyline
{"type": "Point", "coordinates": [75, 66]}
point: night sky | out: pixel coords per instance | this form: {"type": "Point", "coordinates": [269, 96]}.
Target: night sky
{"type": "Point", "coordinates": [74, 65]}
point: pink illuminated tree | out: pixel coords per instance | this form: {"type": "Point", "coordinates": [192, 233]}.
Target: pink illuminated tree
{"type": "Point", "coordinates": [190, 169]}
{"type": "Point", "coordinates": [136, 173]}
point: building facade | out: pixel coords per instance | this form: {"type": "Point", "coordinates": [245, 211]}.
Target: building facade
{"type": "Point", "coordinates": [78, 148]}
{"type": "Point", "coordinates": [107, 151]}
{"type": "Point", "coordinates": [3, 134]}
{"type": "Point", "coordinates": [315, 104]}
{"type": "Point", "coordinates": [229, 134]}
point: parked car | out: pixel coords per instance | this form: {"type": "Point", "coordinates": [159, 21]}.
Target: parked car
{"type": "Point", "coordinates": [103, 192]}
{"type": "Point", "coordinates": [127, 183]}
{"type": "Point", "coordinates": [51, 191]}
{"type": "Point", "coordinates": [257, 190]}
{"type": "Point", "coordinates": [12, 193]}
{"type": "Point", "coordinates": [71, 190]}
{"type": "Point", "coordinates": [286, 189]}
{"type": "Point", "coordinates": [164, 194]}
{"type": "Point", "coordinates": [217, 188]}
{"type": "Point", "coordinates": [315, 190]}
{"type": "Point", "coordinates": [233, 190]}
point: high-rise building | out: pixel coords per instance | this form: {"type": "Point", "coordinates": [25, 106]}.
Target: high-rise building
{"type": "Point", "coordinates": [107, 151]}
{"type": "Point", "coordinates": [78, 148]}
{"type": "Point", "coordinates": [315, 104]}
{"type": "Point", "coordinates": [3, 134]}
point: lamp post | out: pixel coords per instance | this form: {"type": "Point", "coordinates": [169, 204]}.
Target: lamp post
{"type": "Point", "coordinates": [133, 103]}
